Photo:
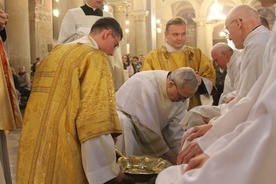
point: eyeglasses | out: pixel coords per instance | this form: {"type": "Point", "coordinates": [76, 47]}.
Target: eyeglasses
{"type": "Point", "coordinates": [180, 97]}
{"type": "Point", "coordinates": [117, 43]}
{"type": "Point", "coordinates": [225, 30]}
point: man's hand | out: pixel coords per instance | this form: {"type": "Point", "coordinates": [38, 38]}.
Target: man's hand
{"type": "Point", "coordinates": [228, 100]}
{"type": "Point", "coordinates": [199, 79]}
{"type": "Point", "coordinates": [197, 162]}
{"type": "Point", "coordinates": [170, 156]}
{"type": "Point", "coordinates": [188, 153]}
{"type": "Point", "coordinates": [3, 19]}
{"type": "Point", "coordinates": [206, 120]}
{"type": "Point", "coordinates": [197, 131]}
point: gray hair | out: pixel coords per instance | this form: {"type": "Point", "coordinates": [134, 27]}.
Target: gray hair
{"type": "Point", "coordinates": [184, 77]}
{"type": "Point", "coordinates": [22, 67]}
{"type": "Point", "coordinates": [221, 47]}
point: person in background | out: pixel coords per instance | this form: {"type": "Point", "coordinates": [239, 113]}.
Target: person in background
{"type": "Point", "coordinates": [127, 65]}
{"type": "Point", "coordinates": [34, 66]}
{"type": "Point", "coordinates": [10, 115]}
{"type": "Point", "coordinates": [24, 83]}
{"type": "Point", "coordinates": [264, 22]}
{"type": "Point", "coordinates": [141, 58]}
{"type": "Point", "coordinates": [136, 64]}
{"type": "Point", "coordinates": [220, 77]}
{"type": "Point", "coordinates": [150, 106]}
{"type": "Point", "coordinates": [175, 54]}
{"type": "Point", "coordinates": [77, 23]}
{"type": "Point", "coordinates": [70, 120]}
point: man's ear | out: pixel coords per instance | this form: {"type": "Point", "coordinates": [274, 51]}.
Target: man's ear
{"type": "Point", "coordinates": [170, 83]}
{"type": "Point", "coordinates": [106, 33]}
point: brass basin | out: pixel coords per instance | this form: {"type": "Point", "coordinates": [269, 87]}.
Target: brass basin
{"type": "Point", "coordinates": [142, 164]}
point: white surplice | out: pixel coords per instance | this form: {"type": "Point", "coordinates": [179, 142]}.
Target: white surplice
{"type": "Point", "coordinates": [146, 113]}
{"type": "Point", "coordinates": [232, 77]}
{"type": "Point", "coordinates": [244, 153]}
{"type": "Point", "coordinates": [76, 24]}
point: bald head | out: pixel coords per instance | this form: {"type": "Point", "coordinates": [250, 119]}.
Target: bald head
{"type": "Point", "coordinates": [221, 54]}
{"type": "Point", "coordinates": [220, 47]}
{"type": "Point", "coordinates": [241, 21]}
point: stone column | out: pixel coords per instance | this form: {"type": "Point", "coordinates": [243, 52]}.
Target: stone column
{"type": "Point", "coordinates": [120, 14]}
{"type": "Point", "coordinates": [209, 39]}
{"type": "Point", "coordinates": [140, 33]}
{"type": "Point", "coordinates": [200, 34]}
{"type": "Point", "coordinates": [41, 28]}
{"type": "Point", "coordinates": [18, 33]}
{"type": "Point", "coordinates": [160, 35]}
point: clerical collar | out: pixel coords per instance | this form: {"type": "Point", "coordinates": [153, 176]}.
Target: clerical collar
{"type": "Point", "coordinates": [88, 10]}
{"type": "Point", "coordinates": [171, 49]}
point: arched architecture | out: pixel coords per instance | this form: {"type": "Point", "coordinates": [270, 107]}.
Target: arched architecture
{"type": "Point", "coordinates": [33, 30]}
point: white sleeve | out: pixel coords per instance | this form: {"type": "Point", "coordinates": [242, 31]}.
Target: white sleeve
{"type": "Point", "coordinates": [226, 123]}
{"type": "Point", "coordinates": [99, 159]}
{"type": "Point", "coordinates": [208, 85]}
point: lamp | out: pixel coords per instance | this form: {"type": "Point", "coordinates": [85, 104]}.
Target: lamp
{"type": "Point", "coordinates": [216, 12]}
{"type": "Point", "coordinates": [56, 12]}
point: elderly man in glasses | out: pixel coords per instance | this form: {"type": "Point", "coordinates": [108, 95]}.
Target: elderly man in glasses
{"type": "Point", "coordinates": [150, 106]}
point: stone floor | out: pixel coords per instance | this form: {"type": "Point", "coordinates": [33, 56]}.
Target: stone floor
{"type": "Point", "coordinates": [13, 140]}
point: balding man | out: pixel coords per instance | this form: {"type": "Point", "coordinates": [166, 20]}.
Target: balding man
{"type": "Point", "coordinates": [244, 28]}
{"type": "Point", "coordinates": [225, 58]}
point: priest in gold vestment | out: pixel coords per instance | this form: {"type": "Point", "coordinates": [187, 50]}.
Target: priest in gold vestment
{"type": "Point", "coordinates": [10, 116]}
{"type": "Point", "coordinates": [70, 119]}
{"type": "Point", "coordinates": [174, 54]}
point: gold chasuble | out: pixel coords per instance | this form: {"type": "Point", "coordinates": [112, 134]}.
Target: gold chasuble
{"type": "Point", "coordinates": [161, 59]}
{"type": "Point", "coordinates": [72, 100]}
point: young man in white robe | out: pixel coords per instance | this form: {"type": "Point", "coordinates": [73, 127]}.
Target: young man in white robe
{"type": "Point", "coordinates": [247, 33]}
{"type": "Point", "coordinates": [77, 23]}
{"type": "Point", "coordinates": [245, 152]}
{"type": "Point", "coordinates": [150, 106]}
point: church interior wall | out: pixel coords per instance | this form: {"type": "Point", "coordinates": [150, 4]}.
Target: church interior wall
{"type": "Point", "coordinates": [43, 27]}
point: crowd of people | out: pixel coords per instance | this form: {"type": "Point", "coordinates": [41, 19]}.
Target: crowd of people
{"type": "Point", "coordinates": [86, 98]}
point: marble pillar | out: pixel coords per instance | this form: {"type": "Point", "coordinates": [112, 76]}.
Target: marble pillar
{"type": "Point", "coordinates": [140, 32]}
{"type": "Point", "coordinates": [18, 33]}
{"type": "Point", "coordinates": [209, 39]}
{"type": "Point", "coordinates": [41, 28]}
{"type": "Point", "coordinates": [120, 14]}
{"type": "Point", "coordinates": [201, 38]}
{"type": "Point", "coordinates": [161, 35]}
